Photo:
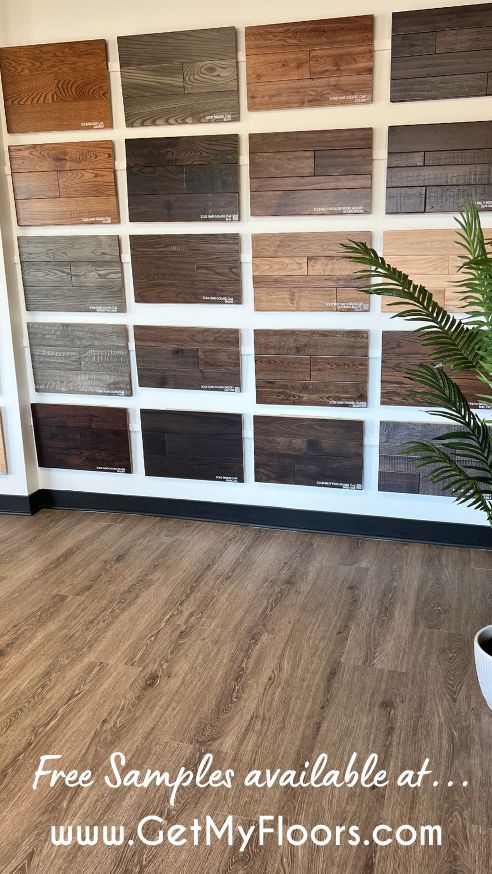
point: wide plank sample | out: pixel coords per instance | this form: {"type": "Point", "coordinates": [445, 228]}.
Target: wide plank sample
{"type": "Point", "coordinates": [3, 454]}
{"type": "Point", "coordinates": [309, 452]}
{"type": "Point", "coordinates": [439, 167]}
{"type": "Point", "coordinates": [320, 172]}
{"type": "Point", "coordinates": [187, 445]}
{"type": "Point", "coordinates": [72, 274]}
{"type": "Point", "coordinates": [183, 179]}
{"type": "Point", "coordinates": [312, 368]}
{"type": "Point", "coordinates": [180, 78]}
{"type": "Point", "coordinates": [56, 86]}
{"type": "Point", "coordinates": [307, 273]}
{"type": "Point", "coordinates": [442, 53]}
{"type": "Point", "coordinates": [64, 183]}
{"type": "Point", "coordinates": [186, 268]}
{"type": "Point", "coordinates": [324, 62]}
{"type": "Point", "coordinates": [82, 438]}
{"type": "Point", "coordinates": [206, 359]}
{"type": "Point", "coordinates": [80, 359]}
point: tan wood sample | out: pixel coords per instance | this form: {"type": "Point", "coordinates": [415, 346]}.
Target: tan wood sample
{"type": "Point", "coordinates": [3, 454]}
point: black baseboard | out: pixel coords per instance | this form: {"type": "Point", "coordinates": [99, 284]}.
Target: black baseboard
{"type": "Point", "coordinates": [15, 505]}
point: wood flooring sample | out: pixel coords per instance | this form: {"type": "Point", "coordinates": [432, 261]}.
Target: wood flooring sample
{"type": "Point", "coordinates": [204, 359]}
{"type": "Point", "coordinates": [3, 454]}
{"type": "Point", "coordinates": [439, 167]}
{"type": "Point", "coordinates": [312, 368]}
{"type": "Point", "coordinates": [440, 53]}
{"type": "Point", "coordinates": [64, 183]}
{"type": "Point", "coordinates": [80, 359]}
{"type": "Point", "coordinates": [321, 172]}
{"type": "Point", "coordinates": [183, 179]}
{"type": "Point", "coordinates": [325, 62]}
{"type": "Point", "coordinates": [306, 273]}
{"type": "Point", "coordinates": [72, 274]}
{"type": "Point", "coordinates": [187, 445]}
{"type": "Point", "coordinates": [309, 452]}
{"type": "Point", "coordinates": [82, 438]}
{"type": "Point", "coordinates": [180, 78]}
{"type": "Point", "coordinates": [186, 268]}
{"type": "Point", "coordinates": [56, 86]}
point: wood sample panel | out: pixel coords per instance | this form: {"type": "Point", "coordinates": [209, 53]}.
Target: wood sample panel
{"type": "Point", "coordinates": [204, 359]}
{"type": "Point", "coordinates": [306, 273]}
{"type": "Point", "coordinates": [82, 438]}
{"type": "Point", "coordinates": [180, 78]}
{"type": "Point", "coordinates": [3, 454]}
{"type": "Point", "coordinates": [183, 179]}
{"type": "Point", "coordinates": [187, 445]}
{"type": "Point", "coordinates": [325, 62]}
{"type": "Point", "coordinates": [56, 86]}
{"type": "Point", "coordinates": [439, 167]}
{"type": "Point", "coordinates": [187, 268]}
{"type": "Point", "coordinates": [72, 274]}
{"type": "Point", "coordinates": [440, 53]}
{"type": "Point", "coordinates": [309, 452]}
{"type": "Point", "coordinates": [85, 359]}
{"type": "Point", "coordinates": [321, 172]}
{"type": "Point", "coordinates": [312, 368]}
{"type": "Point", "coordinates": [64, 183]}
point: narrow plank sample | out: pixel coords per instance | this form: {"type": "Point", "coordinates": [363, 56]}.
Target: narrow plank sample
{"type": "Point", "coordinates": [183, 179]}
{"type": "Point", "coordinates": [309, 452]}
{"type": "Point", "coordinates": [56, 86]}
{"type": "Point", "coordinates": [64, 183]}
{"type": "Point", "coordinates": [187, 445]}
{"type": "Point", "coordinates": [325, 62]}
{"type": "Point", "coordinates": [187, 268]}
{"type": "Point", "coordinates": [180, 78]}
{"type": "Point", "coordinates": [3, 454]}
{"type": "Point", "coordinates": [80, 359]}
{"type": "Point", "coordinates": [321, 172]}
{"type": "Point", "coordinates": [82, 438]}
{"type": "Point", "coordinates": [307, 273]}
{"type": "Point", "coordinates": [206, 359]}
{"type": "Point", "coordinates": [312, 368]}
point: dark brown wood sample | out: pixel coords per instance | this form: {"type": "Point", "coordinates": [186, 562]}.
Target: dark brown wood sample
{"type": "Point", "coordinates": [186, 268]}
{"type": "Point", "coordinates": [82, 438]}
{"type": "Point", "coordinates": [188, 445]}
{"type": "Point", "coordinates": [325, 62]}
{"type": "Point", "coordinates": [56, 86]}
{"type": "Point", "coordinates": [440, 53]}
{"type": "Point", "coordinates": [183, 179]}
{"type": "Point", "coordinates": [439, 167]}
{"type": "Point", "coordinates": [180, 78]}
{"type": "Point", "coordinates": [309, 452]}
{"type": "Point", "coordinates": [312, 368]}
{"type": "Point", "coordinates": [188, 358]}
{"type": "Point", "coordinates": [64, 183]}
{"type": "Point", "coordinates": [321, 172]}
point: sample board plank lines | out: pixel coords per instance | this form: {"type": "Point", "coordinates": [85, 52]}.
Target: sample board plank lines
{"type": "Point", "coordinates": [56, 86]}
{"type": "Point", "coordinates": [326, 62]}
{"type": "Point", "coordinates": [186, 445]}
{"type": "Point", "coordinates": [82, 438]}
{"type": "Point", "coordinates": [180, 78]}
{"type": "Point", "coordinates": [3, 454]}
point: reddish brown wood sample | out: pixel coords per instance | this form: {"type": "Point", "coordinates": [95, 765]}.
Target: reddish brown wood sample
{"type": "Point", "coordinates": [82, 438]}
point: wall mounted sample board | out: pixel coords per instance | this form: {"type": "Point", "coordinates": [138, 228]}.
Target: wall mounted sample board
{"type": "Point", "coordinates": [306, 272]}
{"type": "Point", "coordinates": [325, 62]}
{"type": "Point", "coordinates": [439, 167]}
{"type": "Point", "coordinates": [439, 53]}
{"type": "Point", "coordinates": [318, 368]}
{"type": "Point", "coordinates": [56, 86]}
{"type": "Point", "coordinates": [85, 359]}
{"type": "Point", "coordinates": [186, 268]}
{"type": "Point", "coordinates": [82, 438]}
{"type": "Point", "coordinates": [180, 78]}
{"type": "Point", "coordinates": [72, 274]}
{"type": "Point", "coordinates": [183, 179]}
{"type": "Point", "coordinates": [319, 172]}
{"type": "Point", "coordinates": [188, 445]}
{"type": "Point", "coordinates": [3, 454]}
{"type": "Point", "coordinates": [64, 183]}
{"type": "Point", "coordinates": [309, 452]}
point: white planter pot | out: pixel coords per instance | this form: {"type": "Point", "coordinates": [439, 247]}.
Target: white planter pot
{"type": "Point", "coordinates": [483, 663]}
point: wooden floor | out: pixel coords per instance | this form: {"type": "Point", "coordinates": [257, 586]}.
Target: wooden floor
{"type": "Point", "coordinates": [168, 639]}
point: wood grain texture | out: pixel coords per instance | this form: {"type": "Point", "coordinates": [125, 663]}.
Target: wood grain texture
{"type": "Point", "coordinates": [82, 438]}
